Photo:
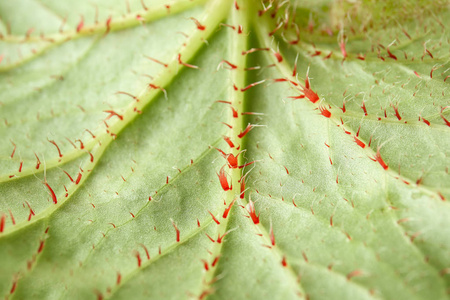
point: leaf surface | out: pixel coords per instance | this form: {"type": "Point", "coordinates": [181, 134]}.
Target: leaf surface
{"type": "Point", "coordinates": [224, 150]}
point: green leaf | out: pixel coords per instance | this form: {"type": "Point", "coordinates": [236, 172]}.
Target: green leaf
{"type": "Point", "coordinates": [224, 150]}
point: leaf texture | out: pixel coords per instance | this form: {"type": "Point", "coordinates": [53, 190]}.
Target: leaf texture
{"type": "Point", "coordinates": [224, 150]}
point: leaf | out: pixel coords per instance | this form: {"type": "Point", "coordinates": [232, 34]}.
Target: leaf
{"type": "Point", "coordinates": [224, 150]}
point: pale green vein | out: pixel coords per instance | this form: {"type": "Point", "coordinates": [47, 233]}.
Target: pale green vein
{"type": "Point", "coordinates": [405, 236]}
{"type": "Point", "coordinates": [371, 57]}
{"type": "Point", "coordinates": [334, 273]}
{"type": "Point", "coordinates": [394, 121]}
{"type": "Point", "coordinates": [183, 170]}
{"type": "Point", "coordinates": [237, 45]}
{"type": "Point", "coordinates": [127, 21]}
{"type": "Point", "coordinates": [278, 253]}
{"type": "Point", "coordinates": [164, 252]}
{"type": "Point", "coordinates": [402, 230]}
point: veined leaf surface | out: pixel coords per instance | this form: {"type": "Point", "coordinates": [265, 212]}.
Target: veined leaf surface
{"type": "Point", "coordinates": [224, 150]}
